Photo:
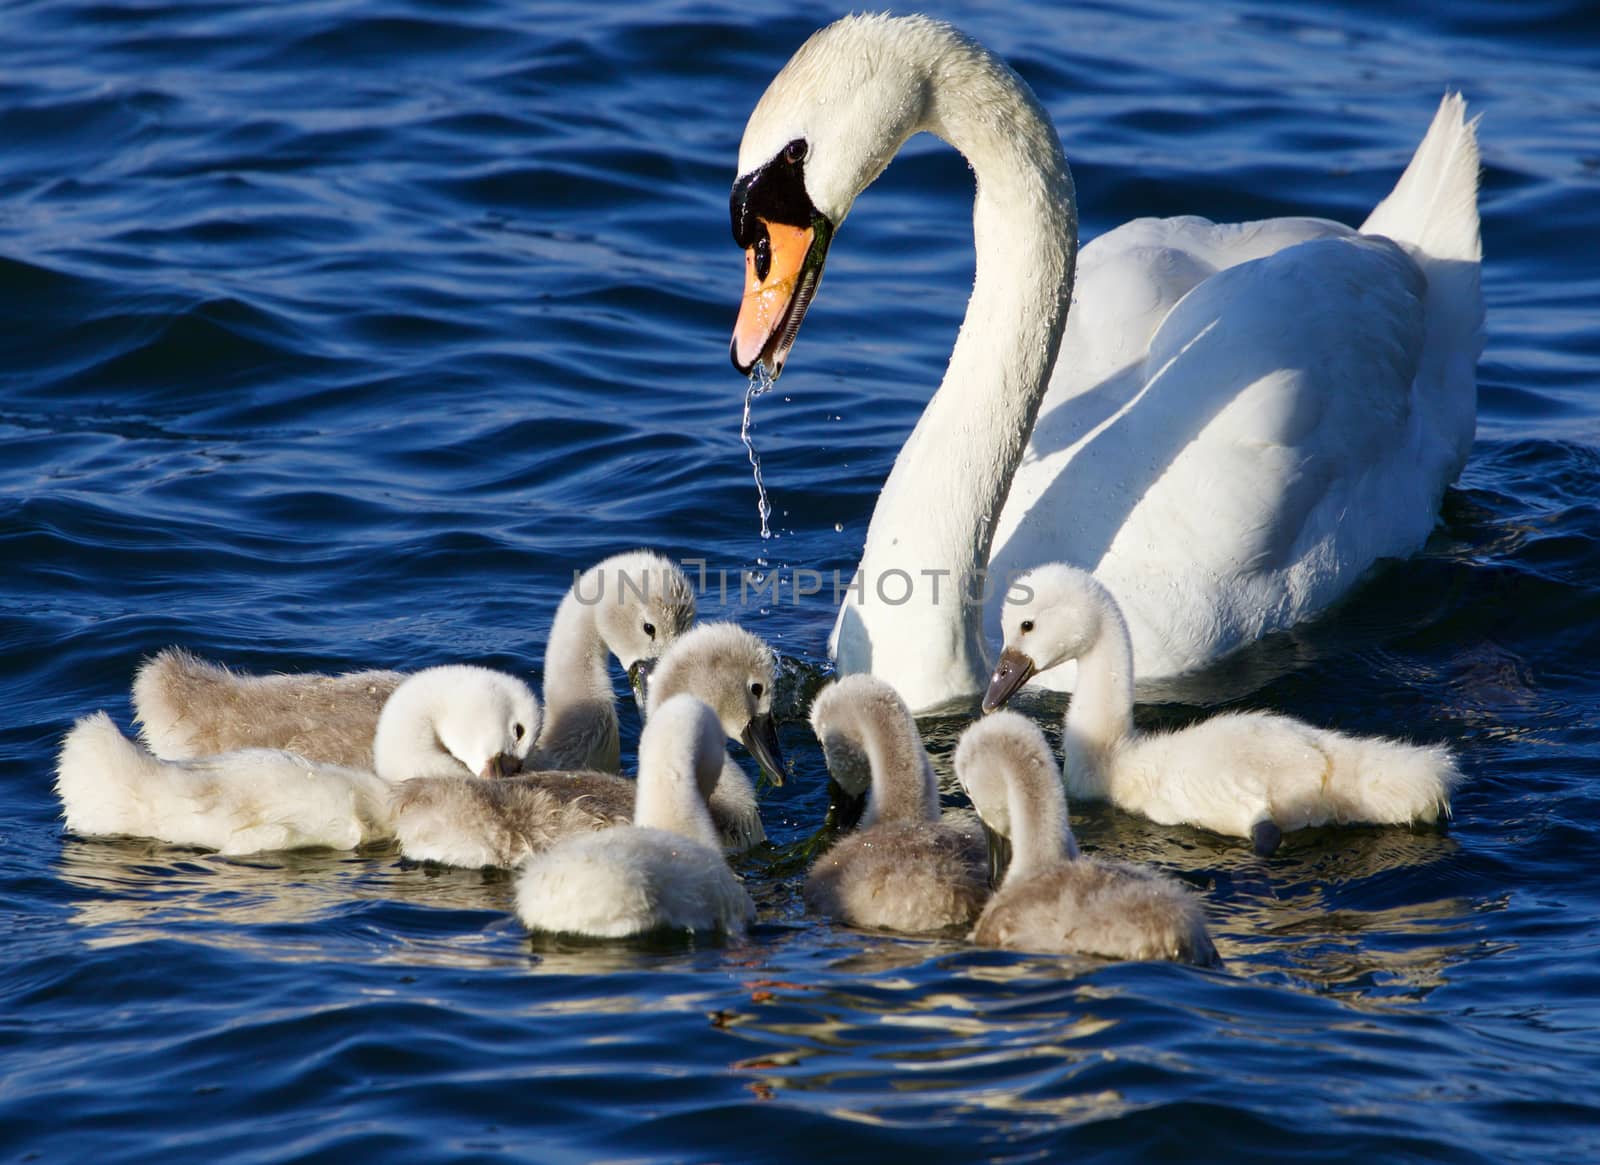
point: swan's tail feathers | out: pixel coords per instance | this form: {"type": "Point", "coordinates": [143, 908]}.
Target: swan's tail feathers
{"type": "Point", "coordinates": [100, 778]}
{"type": "Point", "coordinates": [1434, 206]}
{"type": "Point", "coordinates": [1394, 783]}
{"type": "Point", "coordinates": [1433, 213]}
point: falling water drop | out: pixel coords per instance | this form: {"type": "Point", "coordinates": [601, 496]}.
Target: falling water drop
{"type": "Point", "coordinates": [760, 382]}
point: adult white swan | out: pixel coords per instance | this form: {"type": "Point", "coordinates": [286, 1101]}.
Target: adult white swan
{"type": "Point", "coordinates": [1243, 418]}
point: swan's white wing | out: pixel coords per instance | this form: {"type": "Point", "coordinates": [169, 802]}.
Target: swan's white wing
{"type": "Point", "coordinates": [1224, 396]}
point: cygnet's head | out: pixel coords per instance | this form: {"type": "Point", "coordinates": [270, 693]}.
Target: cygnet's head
{"type": "Point", "coordinates": [846, 715]}
{"type": "Point", "coordinates": [733, 671]}
{"type": "Point", "coordinates": [456, 720]}
{"type": "Point", "coordinates": [1051, 614]}
{"type": "Point", "coordinates": [999, 752]}
{"type": "Point", "coordinates": [642, 603]}
{"type": "Point", "coordinates": [826, 127]}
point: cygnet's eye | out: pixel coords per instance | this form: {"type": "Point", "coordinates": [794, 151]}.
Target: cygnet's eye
{"type": "Point", "coordinates": [516, 732]}
{"type": "Point", "coordinates": [650, 630]}
{"type": "Point", "coordinates": [756, 689]}
{"type": "Point", "coordinates": [1027, 625]}
{"type": "Point", "coordinates": [795, 152]}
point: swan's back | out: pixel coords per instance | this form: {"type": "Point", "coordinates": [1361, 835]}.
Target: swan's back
{"type": "Point", "coordinates": [1089, 906]}
{"type": "Point", "coordinates": [1130, 279]}
{"type": "Point", "coordinates": [487, 822]}
{"type": "Point", "coordinates": [1258, 411]}
{"type": "Point", "coordinates": [1223, 458]}
{"type": "Point", "coordinates": [190, 707]}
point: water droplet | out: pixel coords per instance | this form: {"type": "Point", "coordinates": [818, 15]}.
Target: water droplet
{"type": "Point", "coordinates": [838, 527]}
{"type": "Point", "coordinates": [760, 382]}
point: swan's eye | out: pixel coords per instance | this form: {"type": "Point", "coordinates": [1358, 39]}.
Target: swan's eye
{"type": "Point", "coordinates": [1027, 626]}
{"type": "Point", "coordinates": [763, 257]}
{"type": "Point", "coordinates": [516, 732]}
{"type": "Point", "coordinates": [795, 152]}
{"type": "Point", "coordinates": [650, 630]}
{"type": "Point", "coordinates": [756, 690]}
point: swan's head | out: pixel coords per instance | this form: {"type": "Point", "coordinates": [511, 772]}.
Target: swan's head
{"type": "Point", "coordinates": [642, 603]}
{"type": "Point", "coordinates": [1000, 751]}
{"type": "Point", "coordinates": [825, 128]}
{"type": "Point", "coordinates": [684, 736]}
{"type": "Point", "coordinates": [1051, 614]}
{"type": "Point", "coordinates": [835, 720]}
{"type": "Point", "coordinates": [456, 720]}
{"type": "Point", "coordinates": [733, 671]}
{"type": "Point", "coordinates": [845, 716]}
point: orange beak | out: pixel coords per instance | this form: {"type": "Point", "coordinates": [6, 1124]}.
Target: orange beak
{"type": "Point", "coordinates": [780, 275]}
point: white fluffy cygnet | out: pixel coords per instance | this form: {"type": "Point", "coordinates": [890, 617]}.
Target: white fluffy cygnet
{"type": "Point", "coordinates": [664, 872]}
{"type": "Point", "coordinates": [445, 721]}
{"type": "Point", "coordinates": [904, 868]}
{"type": "Point", "coordinates": [1052, 900]}
{"type": "Point", "coordinates": [1255, 775]}
{"type": "Point", "coordinates": [734, 671]}
{"type": "Point", "coordinates": [631, 606]}
{"type": "Point", "coordinates": [501, 822]}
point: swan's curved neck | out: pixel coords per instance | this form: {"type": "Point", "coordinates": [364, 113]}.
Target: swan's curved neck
{"type": "Point", "coordinates": [903, 785]}
{"type": "Point", "coordinates": [1100, 718]}
{"type": "Point", "coordinates": [406, 744]}
{"type": "Point", "coordinates": [931, 532]}
{"type": "Point", "coordinates": [668, 797]}
{"type": "Point", "coordinates": [577, 679]}
{"type": "Point", "coordinates": [1038, 812]}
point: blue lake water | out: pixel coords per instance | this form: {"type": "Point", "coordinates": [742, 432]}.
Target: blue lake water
{"type": "Point", "coordinates": [338, 335]}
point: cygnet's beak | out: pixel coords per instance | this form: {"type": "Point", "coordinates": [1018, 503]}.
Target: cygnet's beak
{"type": "Point", "coordinates": [501, 764]}
{"type": "Point", "coordinates": [639, 680]}
{"type": "Point", "coordinates": [1013, 670]}
{"type": "Point", "coordinates": [760, 736]}
{"type": "Point", "coordinates": [844, 807]}
{"type": "Point", "coordinates": [999, 855]}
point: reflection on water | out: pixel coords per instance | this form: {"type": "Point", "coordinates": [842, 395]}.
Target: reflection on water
{"type": "Point", "coordinates": [966, 1036]}
{"type": "Point", "coordinates": [1389, 956]}
{"type": "Point", "coordinates": [883, 1041]}
{"type": "Point", "coordinates": [296, 906]}
{"type": "Point", "coordinates": [211, 441]}
{"type": "Point", "coordinates": [1328, 947]}
{"type": "Point", "coordinates": [1293, 919]}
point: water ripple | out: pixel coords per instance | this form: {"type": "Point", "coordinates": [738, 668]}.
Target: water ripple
{"type": "Point", "coordinates": [342, 335]}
